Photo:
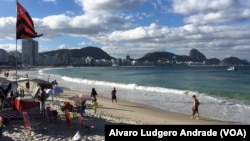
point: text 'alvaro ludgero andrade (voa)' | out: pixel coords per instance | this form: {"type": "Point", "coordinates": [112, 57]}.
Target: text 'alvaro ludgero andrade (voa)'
{"type": "Point", "coordinates": [171, 132]}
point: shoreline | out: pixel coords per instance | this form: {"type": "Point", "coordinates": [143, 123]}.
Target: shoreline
{"type": "Point", "coordinates": [136, 113]}
{"type": "Point", "coordinates": [146, 115]}
{"type": "Point", "coordinates": [144, 106]}
{"type": "Point", "coordinates": [122, 112]}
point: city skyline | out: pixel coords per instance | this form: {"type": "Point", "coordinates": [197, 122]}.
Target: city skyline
{"type": "Point", "coordinates": [217, 28]}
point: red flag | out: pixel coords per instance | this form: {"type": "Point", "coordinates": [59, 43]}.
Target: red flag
{"type": "Point", "coordinates": [24, 25]}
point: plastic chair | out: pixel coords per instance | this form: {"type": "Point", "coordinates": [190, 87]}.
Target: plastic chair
{"type": "Point", "coordinates": [50, 115]}
{"type": "Point", "coordinates": [82, 123]}
{"type": "Point", "coordinates": [68, 120]}
{"type": "Point", "coordinates": [27, 123]}
{"type": "Point", "coordinates": [67, 106]}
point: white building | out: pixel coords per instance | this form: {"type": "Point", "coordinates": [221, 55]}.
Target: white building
{"type": "Point", "coordinates": [29, 52]}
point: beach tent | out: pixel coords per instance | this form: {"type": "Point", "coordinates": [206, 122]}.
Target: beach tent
{"type": "Point", "coordinates": [38, 83]}
{"type": "Point", "coordinates": [19, 104]}
{"type": "Point", "coordinates": [34, 90]}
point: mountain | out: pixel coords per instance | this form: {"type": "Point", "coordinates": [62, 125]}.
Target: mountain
{"type": "Point", "coordinates": [197, 55]}
{"type": "Point", "coordinates": [157, 56]}
{"type": "Point", "coordinates": [93, 52]}
{"type": "Point", "coordinates": [213, 61]}
{"type": "Point", "coordinates": [194, 56]}
{"type": "Point", "coordinates": [233, 61]}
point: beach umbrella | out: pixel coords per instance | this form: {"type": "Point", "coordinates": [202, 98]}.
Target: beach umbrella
{"type": "Point", "coordinates": [54, 91]}
{"type": "Point", "coordinates": [80, 98]}
{"type": "Point", "coordinates": [57, 90]}
{"type": "Point", "coordinates": [49, 91]}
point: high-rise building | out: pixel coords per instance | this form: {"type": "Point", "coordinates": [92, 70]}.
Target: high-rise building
{"type": "Point", "coordinates": [29, 52]}
{"type": "Point", "coordinates": [4, 57]}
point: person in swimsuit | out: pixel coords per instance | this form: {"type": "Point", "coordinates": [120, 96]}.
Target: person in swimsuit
{"type": "Point", "coordinates": [195, 107]}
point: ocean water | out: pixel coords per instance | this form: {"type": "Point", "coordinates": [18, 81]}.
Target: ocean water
{"type": "Point", "coordinates": [224, 95]}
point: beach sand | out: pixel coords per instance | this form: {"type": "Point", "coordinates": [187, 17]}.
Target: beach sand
{"type": "Point", "coordinates": [122, 112]}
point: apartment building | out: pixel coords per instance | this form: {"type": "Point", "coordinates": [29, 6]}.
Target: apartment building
{"type": "Point", "coordinates": [29, 52]}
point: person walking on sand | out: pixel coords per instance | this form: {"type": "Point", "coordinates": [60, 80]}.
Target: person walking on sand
{"type": "Point", "coordinates": [93, 94]}
{"type": "Point", "coordinates": [113, 95]}
{"type": "Point", "coordinates": [81, 106]}
{"type": "Point", "coordinates": [195, 110]}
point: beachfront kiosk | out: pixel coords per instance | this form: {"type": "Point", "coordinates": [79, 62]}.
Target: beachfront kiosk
{"type": "Point", "coordinates": [15, 99]}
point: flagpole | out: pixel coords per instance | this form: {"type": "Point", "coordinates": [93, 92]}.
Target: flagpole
{"type": "Point", "coordinates": [16, 52]}
{"type": "Point", "coordinates": [24, 27]}
{"type": "Point", "coordinates": [16, 60]}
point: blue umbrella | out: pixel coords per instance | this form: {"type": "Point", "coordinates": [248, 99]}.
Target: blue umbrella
{"type": "Point", "coordinates": [57, 90]}
{"type": "Point", "coordinates": [49, 91]}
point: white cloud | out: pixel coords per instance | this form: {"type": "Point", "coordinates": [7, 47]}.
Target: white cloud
{"type": "Point", "coordinates": [10, 47]}
{"type": "Point", "coordinates": [82, 44]}
{"type": "Point", "coordinates": [107, 6]}
{"type": "Point", "coordinates": [6, 27]}
{"type": "Point", "coordinates": [212, 40]}
{"type": "Point", "coordinates": [57, 21]}
{"type": "Point", "coordinates": [69, 12]}
{"type": "Point", "coordinates": [54, 1]}
{"type": "Point", "coordinates": [63, 46]}
{"type": "Point", "coordinates": [212, 11]}
{"type": "Point", "coordinates": [139, 33]}
{"type": "Point", "coordinates": [196, 6]}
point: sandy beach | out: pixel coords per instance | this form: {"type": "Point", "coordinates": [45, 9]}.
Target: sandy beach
{"type": "Point", "coordinates": [122, 112]}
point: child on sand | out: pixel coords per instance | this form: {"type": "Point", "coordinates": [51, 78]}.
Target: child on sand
{"type": "Point", "coordinates": [94, 105]}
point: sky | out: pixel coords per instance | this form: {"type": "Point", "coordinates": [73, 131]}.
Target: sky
{"type": "Point", "coordinates": [217, 28]}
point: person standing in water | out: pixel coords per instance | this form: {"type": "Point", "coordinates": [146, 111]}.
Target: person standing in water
{"type": "Point", "coordinates": [195, 110]}
{"type": "Point", "coordinates": [113, 95]}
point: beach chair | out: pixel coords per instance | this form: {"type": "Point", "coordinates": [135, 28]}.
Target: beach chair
{"type": "Point", "coordinates": [28, 124]}
{"type": "Point", "coordinates": [67, 106]}
{"type": "Point", "coordinates": [68, 120]}
{"type": "Point", "coordinates": [50, 116]}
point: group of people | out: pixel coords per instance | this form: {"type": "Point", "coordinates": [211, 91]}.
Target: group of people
{"type": "Point", "coordinates": [82, 106]}
{"type": "Point", "coordinates": [94, 99]}
{"type": "Point", "coordinates": [113, 95]}
{"type": "Point", "coordinates": [195, 109]}
{"type": "Point", "coordinates": [43, 96]}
